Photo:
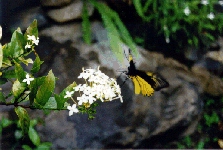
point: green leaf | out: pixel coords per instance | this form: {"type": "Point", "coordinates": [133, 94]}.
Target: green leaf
{"type": "Point", "coordinates": [115, 29]}
{"type": "Point", "coordinates": [6, 59]}
{"type": "Point", "coordinates": [86, 27]}
{"type": "Point", "coordinates": [200, 145]}
{"type": "Point", "coordinates": [34, 86]}
{"type": "Point", "coordinates": [32, 29]}
{"type": "Point", "coordinates": [51, 104]}
{"type": "Point", "coordinates": [26, 61]}
{"type": "Point", "coordinates": [26, 147]}
{"type": "Point", "coordinates": [33, 135]}
{"type": "Point", "coordinates": [18, 90]}
{"type": "Point", "coordinates": [60, 98]}
{"type": "Point", "coordinates": [33, 122]}
{"type": "Point", "coordinates": [113, 35]}
{"type": "Point", "coordinates": [24, 120]}
{"type": "Point", "coordinates": [45, 146]}
{"type": "Point", "coordinates": [2, 98]}
{"type": "Point", "coordinates": [9, 74]}
{"type": "Point", "coordinates": [209, 26]}
{"type": "Point", "coordinates": [16, 47]}
{"type": "Point", "coordinates": [36, 65]}
{"type": "Point", "coordinates": [5, 122]}
{"type": "Point", "coordinates": [45, 90]}
{"type": "Point", "coordinates": [20, 73]}
{"type": "Point", "coordinates": [139, 10]}
{"type": "Point", "coordinates": [211, 37]}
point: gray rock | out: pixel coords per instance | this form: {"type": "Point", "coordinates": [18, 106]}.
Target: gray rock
{"type": "Point", "coordinates": [70, 12]}
{"type": "Point", "coordinates": [58, 3]}
{"type": "Point", "coordinates": [26, 17]}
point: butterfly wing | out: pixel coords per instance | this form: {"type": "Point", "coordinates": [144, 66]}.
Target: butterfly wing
{"type": "Point", "coordinates": [136, 84]}
{"type": "Point", "coordinates": [142, 86]}
{"type": "Point", "coordinates": [159, 82]}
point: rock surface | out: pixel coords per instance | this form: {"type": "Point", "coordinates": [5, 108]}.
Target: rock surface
{"type": "Point", "coordinates": [54, 3]}
{"type": "Point", "coordinates": [69, 12]}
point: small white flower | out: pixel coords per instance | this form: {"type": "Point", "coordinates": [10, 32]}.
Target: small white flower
{"type": "Point", "coordinates": [87, 90]}
{"type": "Point", "coordinates": [28, 79]}
{"type": "Point", "coordinates": [220, 2]}
{"type": "Point", "coordinates": [72, 109]}
{"type": "Point", "coordinates": [165, 27]}
{"type": "Point", "coordinates": [204, 2]}
{"type": "Point", "coordinates": [91, 99]}
{"type": "Point", "coordinates": [68, 94]}
{"type": "Point", "coordinates": [33, 39]}
{"type": "Point", "coordinates": [167, 40]}
{"type": "Point", "coordinates": [36, 41]}
{"type": "Point", "coordinates": [28, 45]}
{"type": "Point", "coordinates": [211, 16]}
{"type": "Point", "coordinates": [187, 11]}
{"type": "Point", "coordinates": [78, 87]}
{"type": "Point", "coordinates": [84, 75]}
{"type": "Point", "coordinates": [82, 99]}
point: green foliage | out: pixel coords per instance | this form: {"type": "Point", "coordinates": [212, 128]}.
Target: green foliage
{"type": "Point", "coordinates": [38, 91]}
{"type": "Point", "coordinates": [91, 111]}
{"type": "Point", "coordinates": [211, 119]}
{"type": "Point", "coordinates": [33, 136]}
{"type": "Point", "coordinates": [117, 32]}
{"type": "Point", "coordinates": [170, 19]}
{"type": "Point", "coordinates": [24, 120]}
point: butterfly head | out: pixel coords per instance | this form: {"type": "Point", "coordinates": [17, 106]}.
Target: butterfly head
{"type": "Point", "coordinates": [131, 68]}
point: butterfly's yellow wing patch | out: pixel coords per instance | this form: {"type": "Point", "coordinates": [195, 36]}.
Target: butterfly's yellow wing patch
{"type": "Point", "coordinates": [141, 86]}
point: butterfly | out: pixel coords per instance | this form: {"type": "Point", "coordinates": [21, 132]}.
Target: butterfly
{"type": "Point", "coordinates": [145, 83]}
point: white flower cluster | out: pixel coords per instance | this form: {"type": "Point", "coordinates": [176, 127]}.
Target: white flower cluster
{"type": "Point", "coordinates": [98, 86]}
{"type": "Point", "coordinates": [32, 40]}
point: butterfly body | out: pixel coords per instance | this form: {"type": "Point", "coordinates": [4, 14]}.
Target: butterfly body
{"type": "Point", "coordinates": [145, 82]}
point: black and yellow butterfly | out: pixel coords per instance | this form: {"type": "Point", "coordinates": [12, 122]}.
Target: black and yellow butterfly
{"type": "Point", "coordinates": [145, 83]}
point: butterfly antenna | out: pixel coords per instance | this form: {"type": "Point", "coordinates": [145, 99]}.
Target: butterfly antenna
{"type": "Point", "coordinates": [125, 55]}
